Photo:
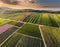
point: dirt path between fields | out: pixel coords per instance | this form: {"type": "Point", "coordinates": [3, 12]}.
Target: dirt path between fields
{"type": "Point", "coordinates": [48, 40]}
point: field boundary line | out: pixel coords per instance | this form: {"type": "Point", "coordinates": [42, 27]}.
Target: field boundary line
{"type": "Point", "coordinates": [18, 42]}
{"type": "Point", "coordinates": [29, 36]}
{"type": "Point", "coordinates": [10, 36]}
{"type": "Point", "coordinates": [26, 36]}
{"type": "Point", "coordinates": [7, 38]}
{"type": "Point", "coordinates": [14, 20]}
{"type": "Point", "coordinates": [30, 23]}
{"type": "Point", "coordinates": [42, 36]}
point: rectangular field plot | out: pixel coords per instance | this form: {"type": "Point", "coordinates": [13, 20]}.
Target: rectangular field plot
{"type": "Point", "coordinates": [19, 40]}
{"type": "Point", "coordinates": [19, 24]}
{"type": "Point", "coordinates": [30, 29]}
{"type": "Point", "coordinates": [7, 33]}
{"type": "Point", "coordinates": [12, 22]}
{"type": "Point", "coordinates": [51, 36]}
{"type": "Point", "coordinates": [4, 28]}
{"type": "Point", "coordinates": [3, 21]}
{"type": "Point", "coordinates": [30, 42]}
{"type": "Point", "coordinates": [12, 41]}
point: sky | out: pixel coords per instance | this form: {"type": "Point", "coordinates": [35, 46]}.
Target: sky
{"type": "Point", "coordinates": [49, 3]}
{"type": "Point", "coordinates": [30, 3]}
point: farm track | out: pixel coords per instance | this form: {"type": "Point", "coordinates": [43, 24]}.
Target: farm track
{"type": "Point", "coordinates": [34, 23]}
{"type": "Point", "coordinates": [7, 33]}
{"type": "Point", "coordinates": [2, 44]}
{"type": "Point", "coordinates": [48, 20]}
{"type": "Point", "coordinates": [29, 36]}
{"type": "Point", "coordinates": [51, 36]}
{"type": "Point", "coordinates": [28, 41]}
{"type": "Point", "coordinates": [47, 40]}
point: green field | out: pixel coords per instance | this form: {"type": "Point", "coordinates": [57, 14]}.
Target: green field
{"type": "Point", "coordinates": [30, 42]}
{"type": "Point", "coordinates": [12, 41]}
{"type": "Point", "coordinates": [7, 21]}
{"type": "Point", "coordinates": [52, 33]}
{"type": "Point", "coordinates": [15, 16]}
{"type": "Point", "coordinates": [12, 22]}
{"type": "Point", "coordinates": [3, 21]}
{"type": "Point", "coordinates": [30, 37]}
{"type": "Point", "coordinates": [47, 19]}
{"type": "Point", "coordinates": [22, 41]}
{"type": "Point", "coordinates": [30, 29]}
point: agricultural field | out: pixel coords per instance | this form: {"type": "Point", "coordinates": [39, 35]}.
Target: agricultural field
{"type": "Point", "coordinates": [3, 21]}
{"type": "Point", "coordinates": [29, 29]}
{"type": "Point", "coordinates": [4, 28]}
{"type": "Point", "coordinates": [23, 41]}
{"type": "Point", "coordinates": [25, 38]}
{"type": "Point", "coordinates": [47, 19]}
{"type": "Point", "coordinates": [7, 33]}
{"type": "Point", "coordinates": [53, 35]}
{"type": "Point", "coordinates": [7, 28]}
{"type": "Point", "coordinates": [15, 16]}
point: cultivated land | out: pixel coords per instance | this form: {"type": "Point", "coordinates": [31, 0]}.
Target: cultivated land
{"type": "Point", "coordinates": [7, 33]}
{"type": "Point", "coordinates": [3, 21]}
{"type": "Point", "coordinates": [29, 28]}
{"type": "Point", "coordinates": [4, 28]}
{"type": "Point", "coordinates": [23, 41]}
{"type": "Point", "coordinates": [47, 19]}
{"type": "Point", "coordinates": [30, 39]}
{"type": "Point", "coordinates": [53, 35]}
{"type": "Point", "coordinates": [12, 22]}
{"type": "Point", "coordinates": [15, 16]}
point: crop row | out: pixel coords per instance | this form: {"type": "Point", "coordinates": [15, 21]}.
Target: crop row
{"type": "Point", "coordinates": [43, 19]}
{"type": "Point", "coordinates": [28, 36]}
{"type": "Point", "coordinates": [7, 33]}
{"type": "Point", "coordinates": [4, 28]}
{"type": "Point", "coordinates": [52, 34]}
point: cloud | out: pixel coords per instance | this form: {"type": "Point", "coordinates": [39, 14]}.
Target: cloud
{"type": "Point", "coordinates": [13, 2]}
{"type": "Point", "coordinates": [31, 3]}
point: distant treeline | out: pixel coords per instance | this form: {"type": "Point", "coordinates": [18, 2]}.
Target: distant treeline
{"type": "Point", "coordinates": [31, 10]}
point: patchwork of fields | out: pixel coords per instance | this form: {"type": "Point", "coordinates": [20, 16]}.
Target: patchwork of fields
{"type": "Point", "coordinates": [44, 19]}
{"type": "Point", "coordinates": [29, 29]}
{"type": "Point", "coordinates": [48, 19]}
